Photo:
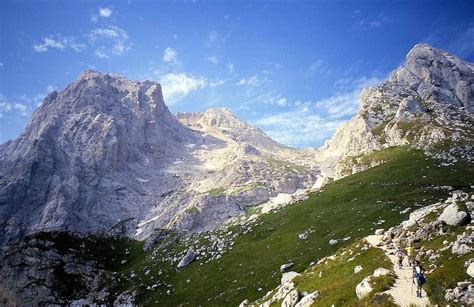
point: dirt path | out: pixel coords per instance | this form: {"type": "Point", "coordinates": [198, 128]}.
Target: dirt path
{"type": "Point", "coordinates": [402, 291]}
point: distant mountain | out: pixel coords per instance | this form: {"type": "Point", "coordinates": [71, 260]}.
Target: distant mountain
{"type": "Point", "coordinates": [106, 155]}
{"type": "Point", "coordinates": [428, 102]}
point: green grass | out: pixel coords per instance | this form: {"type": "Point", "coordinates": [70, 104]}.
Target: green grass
{"type": "Point", "coordinates": [338, 281]}
{"type": "Point", "coordinates": [348, 207]}
{"type": "Point", "coordinates": [285, 165]}
{"type": "Point", "coordinates": [216, 191]}
{"type": "Point", "coordinates": [446, 276]}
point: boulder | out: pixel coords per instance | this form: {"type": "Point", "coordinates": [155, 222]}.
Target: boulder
{"type": "Point", "coordinates": [286, 266]}
{"type": "Point", "coordinates": [453, 216]}
{"type": "Point", "coordinates": [288, 277]}
{"type": "Point", "coordinates": [470, 269]}
{"type": "Point", "coordinates": [380, 232]}
{"type": "Point", "coordinates": [187, 259]}
{"type": "Point", "coordinates": [244, 303]}
{"type": "Point", "coordinates": [291, 299]}
{"type": "Point", "coordinates": [308, 300]}
{"type": "Point", "coordinates": [363, 288]}
{"type": "Point", "coordinates": [357, 269]}
{"type": "Point", "coordinates": [459, 196]}
{"type": "Point", "coordinates": [333, 241]}
{"type": "Point", "coordinates": [460, 248]}
{"type": "Point", "coordinates": [381, 272]}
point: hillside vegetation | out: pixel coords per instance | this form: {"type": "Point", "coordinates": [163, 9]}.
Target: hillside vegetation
{"type": "Point", "coordinates": [346, 210]}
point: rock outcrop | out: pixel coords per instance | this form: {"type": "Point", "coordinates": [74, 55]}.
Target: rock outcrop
{"type": "Point", "coordinates": [363, 288]}
{"type": "Point", "coordinates": [453, 216]}
{"type": "Point", "coordinates": [428, 102]}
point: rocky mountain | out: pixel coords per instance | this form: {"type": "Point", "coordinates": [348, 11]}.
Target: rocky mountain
{"type": "Point", "coordinates": [428, 102]}
{"type": "Point", "coordinates": [106, 155]}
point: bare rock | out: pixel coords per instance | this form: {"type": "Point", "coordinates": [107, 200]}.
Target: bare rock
{"type": "Point", "coordinates": [363, 288]}
{"type": "Point", "coordinates": [453, 216]}
{"type": "Point", "coordinates": [187, 259]}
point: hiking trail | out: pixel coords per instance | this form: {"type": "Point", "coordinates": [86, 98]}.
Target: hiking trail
{"type": "Point", "coordinates": [403, 291]}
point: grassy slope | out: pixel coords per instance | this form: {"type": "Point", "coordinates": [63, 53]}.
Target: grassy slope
{"type": "Point", "coordinates": [348, 207]}
{"type": "Point", "coordinates": [448, 269]}
{"type": "Point", "coordinates": [338, 281]}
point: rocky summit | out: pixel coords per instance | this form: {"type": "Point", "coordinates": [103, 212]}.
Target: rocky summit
{"type": "Point", "coordinates": [428, 102]}
{"type": "Point", "coordinates": [108, 198]}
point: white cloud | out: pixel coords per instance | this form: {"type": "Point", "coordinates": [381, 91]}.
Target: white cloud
{"type": "Point", "coordinates": [109, 41]}
{"type": "Point", "coordinates": [300, 128]}
{"type": "Point", "coordinates": [102, 12]}
{"type": "Point", "coordinates": [216, 83]}
{"type": "Point", "coordinates": [105, 12]}
{"type": "Point", "coordinates": [6, 107]}
{"type": "Point", "coordinates": [213, 59]}
{"type": "Point", "coordinates": [251, 81]}
{"type": "Point", "coordinates": [57, 43]}
{"type": "Point", "coordinates": [104, 42]}
{"type": "Point", "coordinates": [170, 55]}
{"type": "Point", "coordinates": [20, 107]}
{"type": "Point", "coordinates": [176, 86]}
{"type": "Point", "coordinates": [271, 97]}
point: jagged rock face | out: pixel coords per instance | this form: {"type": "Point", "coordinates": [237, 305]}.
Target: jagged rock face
{"type": "Point", "coordinates": [105, 154]}
{"type": "Point", "coordinates": [427, 101]}
{"type": "Point", "coordinates": [438, 76]}
{"type": "Point", "coordinates": [74, 166]}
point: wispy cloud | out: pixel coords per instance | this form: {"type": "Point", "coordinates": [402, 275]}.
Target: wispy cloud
{"type": "Point", "coordinates": [215, 39]}
{"type": "Point", "coordinates": [170, 55]}
{"type": "Point", "coordinates": [250, 81]}
{"type": "Point", "coordinates": [60, 43]}
{"type": "Point", "coordinates": [103, 41]}
{"type": "Point", "coordinates": [108, 41]}
{"type": "Point", "coordinates": [230, 68]}
{"type": "Point", "coordinates": [270, 98]}
{"type": "Point", "coordinates": [213, 60]}
{"type": "Point", "coordinates": [310, 123]}
{"type": "Point", "coordinates": [9, 107]}
{"type": "Point", "coordinates": [318, 67]}
{"type": "Point", "coordinates": [367, 22]}
{"type": "Point", "coordinates": [463, 43]}
{"type": "Point", "coordinates": [301, 127]}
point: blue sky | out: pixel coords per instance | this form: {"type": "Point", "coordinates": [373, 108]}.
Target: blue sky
{"type": "Point", "coordinates": [293, 68]}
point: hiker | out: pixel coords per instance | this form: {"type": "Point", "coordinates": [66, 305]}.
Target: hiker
{"type": "Point", "coordinates": [400, 255]}
{"type": "Point", "coordinates": [410, 254]}
{"type": "Point", "coordinates": [418, 277]}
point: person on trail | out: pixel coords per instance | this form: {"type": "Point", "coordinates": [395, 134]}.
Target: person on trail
{"type": "Point", "coordinates": [418, 277]}
{"type": "Point", "coordinates": [400, 255]}
{"type": "Point", "coordinates": [410, 254]}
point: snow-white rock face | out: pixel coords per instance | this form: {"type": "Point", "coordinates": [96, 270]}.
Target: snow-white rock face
{"type": "Point", "coordinates": [425, 102]}
{"type": "Point", "coordinates": [106, 155]}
